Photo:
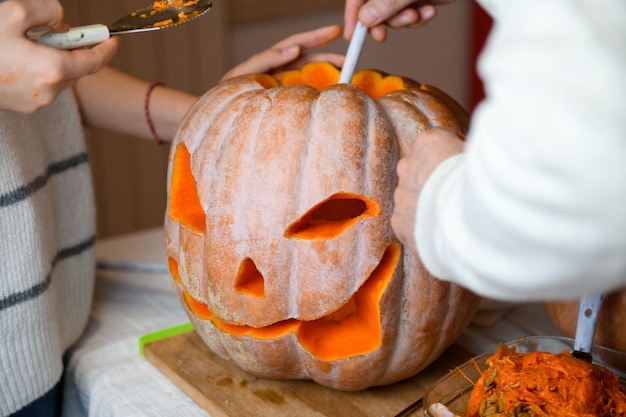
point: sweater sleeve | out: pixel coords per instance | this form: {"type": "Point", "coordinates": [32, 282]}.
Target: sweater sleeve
{"type": "Point", "coordinates": [534, 209]}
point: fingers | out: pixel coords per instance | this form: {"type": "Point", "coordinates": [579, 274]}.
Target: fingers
{"type": "Point", "coordinates": [51, 71]}
{"type": "Point", "coordinates": [405, 199]}
{"type": "Point", "coordinates": [377, 14]}
{"type": "Point", "coordinates": [39, 73]}
{"type": "Point", "coordinates": [406, 17]}
{"type": "Point", "coordinates": [312, 38]}
{"type": "Point", "coordinates": [80, 62]}
{"type": "Point", "coordinates": [71, 65]}
{"type": "Point", "coordinates": [265, 61]}
{"type": "Point", "coordinates": [350, 17]}
{"type": "Point", "coordinates": [291, 52]}
{"type": "Point", "coordinates": [22, 15]}
{"type": "Point", "coordinates": [413, 17]}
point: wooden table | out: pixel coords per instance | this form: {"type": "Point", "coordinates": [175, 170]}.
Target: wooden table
{"type": "Point", "coordinates": [107, 376]}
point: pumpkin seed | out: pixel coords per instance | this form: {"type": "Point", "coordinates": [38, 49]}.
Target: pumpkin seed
{"type": "Point", "coordinates": [490, 379]}
{"type": "Point", "coordinates": [521, 410]}
{"type": "Point", "coordinates": [491, 406]}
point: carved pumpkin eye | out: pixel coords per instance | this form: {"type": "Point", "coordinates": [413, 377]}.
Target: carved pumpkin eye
{"type": "Point", "coordinates": [332, 216]}
{"type": "Point", "coordinates": [184, 203]}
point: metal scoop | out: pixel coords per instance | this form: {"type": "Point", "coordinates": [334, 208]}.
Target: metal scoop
{"type": "Point", "coordinates": [588, 312]}
{"type": "Point", "coordinates": [159, 15]}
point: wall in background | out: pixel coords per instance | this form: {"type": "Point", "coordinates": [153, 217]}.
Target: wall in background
{"type": "Point", "coordinates": [130, 174]}
{"type": "Point", "coordinates": [437, 54]}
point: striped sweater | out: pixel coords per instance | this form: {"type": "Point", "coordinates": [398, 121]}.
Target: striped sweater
{"type": "Point", "coordinates": [47, 236]}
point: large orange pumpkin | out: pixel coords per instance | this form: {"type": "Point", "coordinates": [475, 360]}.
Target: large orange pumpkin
{"type": "Point", "coordinates": [611, 330]}
{"type": "Point", "coordinates": [278, 234]}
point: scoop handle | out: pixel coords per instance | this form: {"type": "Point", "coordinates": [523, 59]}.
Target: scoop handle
{"type": "Point", "coordinates": [76, 37]}
{"type": "Point", "coordinates": [588, 312]}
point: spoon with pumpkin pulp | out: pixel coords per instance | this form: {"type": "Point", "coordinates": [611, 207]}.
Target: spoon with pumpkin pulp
{"type": "Point", "coordinates": [160, 14]}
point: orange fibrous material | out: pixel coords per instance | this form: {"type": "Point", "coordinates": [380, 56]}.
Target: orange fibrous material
{"type": "Point", "coordinates": [354, 329]}
{"type": "Point", "coordinates": [548, 384]}
{"type": "Point", "coordinates": [160, 5]}
{"type": "Point", "coordinates": [166, 4]}
{"type": "Point", "coordinates": [322, 74]}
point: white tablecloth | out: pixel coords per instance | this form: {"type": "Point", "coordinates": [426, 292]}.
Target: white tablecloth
{"type": "Point", "coordinates": [107, 377]}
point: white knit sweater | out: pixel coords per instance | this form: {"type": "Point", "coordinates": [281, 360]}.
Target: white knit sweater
{"type": "Point", "coordinates": [535, 208]}
{"type": "Point", "coordinates": [47, 236]}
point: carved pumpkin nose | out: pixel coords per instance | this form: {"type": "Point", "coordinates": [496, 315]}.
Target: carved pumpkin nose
{"type": "Point", "coordinates": [249, 280]}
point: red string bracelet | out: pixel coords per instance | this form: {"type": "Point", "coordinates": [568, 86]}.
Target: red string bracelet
{"type": "Point", "coordinates": [146, 111]}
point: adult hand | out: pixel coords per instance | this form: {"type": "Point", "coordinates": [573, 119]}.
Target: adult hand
{"type": "Point", "coordinates": [378, 14]}
{"type": "Point", "coordinates": [33, 75]}
{"type": "Point", "coordinates": [291, 53]}
{"type": "Point", "coordinates": [430, 149]}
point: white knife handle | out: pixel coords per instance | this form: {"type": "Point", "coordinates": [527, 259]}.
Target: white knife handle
{"type": "Point", "coordinates": [353, 53]}
{"type": "Point", "coordinates": [76, 37]}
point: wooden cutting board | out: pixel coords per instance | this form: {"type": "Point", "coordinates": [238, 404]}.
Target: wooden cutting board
{"type": "Point", "coordinates": [225, 391]}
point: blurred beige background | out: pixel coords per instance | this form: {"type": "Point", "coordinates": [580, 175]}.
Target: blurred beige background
{"type": "Point", "coordinates": [129, 173]}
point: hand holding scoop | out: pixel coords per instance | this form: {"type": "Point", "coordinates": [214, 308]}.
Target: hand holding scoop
{"type": "Point", "coordinates": [159, 15]}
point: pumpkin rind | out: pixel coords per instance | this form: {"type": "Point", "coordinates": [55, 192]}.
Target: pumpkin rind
{"type": "Point", "coordinates": [267, 160]}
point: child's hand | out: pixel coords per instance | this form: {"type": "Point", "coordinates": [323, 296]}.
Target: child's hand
{"type": "Point", "coordinates": [33, 75]}
{"type": "Point", "coordinates": [291, 53]}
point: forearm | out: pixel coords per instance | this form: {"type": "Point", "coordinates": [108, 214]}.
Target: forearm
{"type": "Point", "coordinates": [114, 101]}
{"type": "Point", "coordinates": [533, 211]}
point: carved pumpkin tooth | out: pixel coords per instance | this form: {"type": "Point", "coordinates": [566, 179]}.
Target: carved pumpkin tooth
{"type": "Point", "coordinates": [280, 193]}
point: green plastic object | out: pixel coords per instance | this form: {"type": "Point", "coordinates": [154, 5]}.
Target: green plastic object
{"type": "Point", "coordinates": [163, 334]}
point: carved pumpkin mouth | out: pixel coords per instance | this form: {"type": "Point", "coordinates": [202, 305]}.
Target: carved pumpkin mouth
{"type": "Point", "coordinates": [354, 329]}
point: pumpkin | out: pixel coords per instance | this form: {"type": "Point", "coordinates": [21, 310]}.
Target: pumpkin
{"type": "Point", "coordinates": [278, 227]}
{"type": "Point", "coordinates": [611, 330]}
